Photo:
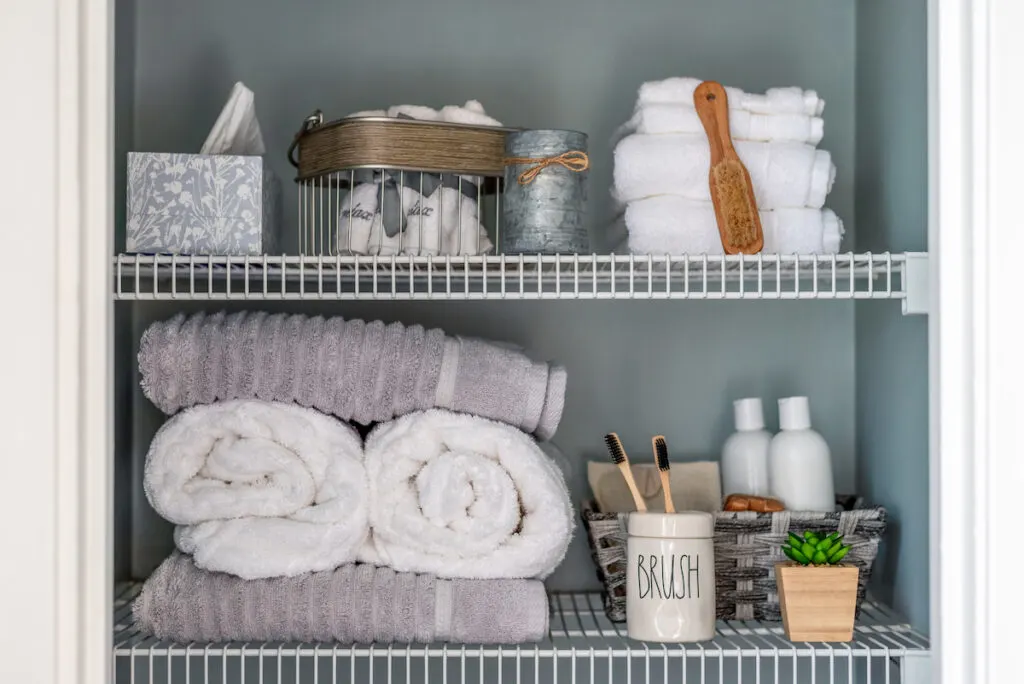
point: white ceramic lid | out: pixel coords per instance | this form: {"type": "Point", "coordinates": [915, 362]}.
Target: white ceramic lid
{"type": "Point", "coordinates": [683, 525]}
{"type": "Point", "coordinates": [794, 413]}
{"type": "Point", "coordinates": [749, 414]}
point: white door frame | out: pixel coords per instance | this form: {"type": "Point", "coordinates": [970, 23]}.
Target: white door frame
{"type": "Point", "coordinates": [975, 238]}
{"type": "Point", "coordinates": [56, 116]}
{"type": "Point", "coordinates": [57, 191]}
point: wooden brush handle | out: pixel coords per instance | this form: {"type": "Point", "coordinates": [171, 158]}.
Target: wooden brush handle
{"type": "Point", "coordinates": [712, 106]}
{"type": "Point", "coordinates": [627, 474]}
{"type": "Point", "coordinates": [666, 489]}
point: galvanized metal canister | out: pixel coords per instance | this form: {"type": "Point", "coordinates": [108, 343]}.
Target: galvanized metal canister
{"type": "Point", "coordinates": [544, 210]}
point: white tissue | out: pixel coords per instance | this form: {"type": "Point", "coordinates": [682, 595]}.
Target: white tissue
{"type": "Point", "coordinates": [237, 130]}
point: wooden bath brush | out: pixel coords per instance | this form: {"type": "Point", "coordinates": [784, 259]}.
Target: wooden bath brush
{"type": "Point", "coordinates": [731, 191]}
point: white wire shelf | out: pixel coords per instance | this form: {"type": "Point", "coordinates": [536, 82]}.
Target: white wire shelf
{"type": "Point", "coordinates": [583, 646]}
{"type": "Point", "coordinates": [570, 276]}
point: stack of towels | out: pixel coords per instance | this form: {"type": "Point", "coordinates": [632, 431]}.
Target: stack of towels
{"type": "Point", "coordinates": [414, 213]}
{"type": "Point", "coordinates": [662, 159]}
{"type": "Point", "coordinates": [439, 526]}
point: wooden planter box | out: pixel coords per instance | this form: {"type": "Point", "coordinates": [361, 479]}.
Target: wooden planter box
{"type": "Point", "coordinates": [818, 603]}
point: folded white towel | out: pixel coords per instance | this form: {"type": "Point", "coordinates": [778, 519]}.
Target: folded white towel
{"type": "Point", "coordinates": [784, 174]}
{"type": "Point", "coordinates": [360, 229]}
{"type": "Point", "coordinates": [461, 496]}
{"type": "Point", "coordinates": [669, 224]}
{"type": "Point", "coordinates": [260, 489]}
{"type": "Point", "coordinates": [743, 125]}
{"type": "Point", "coordinates": [774, 101]}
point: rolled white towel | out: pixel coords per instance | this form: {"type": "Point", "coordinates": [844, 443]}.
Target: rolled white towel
{"type": "Point", "coordinates": [260, 489]}
{"type": "Point", "coordinates": [790, 100]}
{"type": "Point", "coordinates": [460, 496]}
{"type": "Point", "coordinates": [420, 112]}
{"type": "Point", "coordinates": [470, 113]}
{"type": "Point", "coordinates": [784, 174]}
{"type": "Point", "coordinates": [669, 224]}
{"type": "Point", "coordinates": [743, 125]}
{"type": "Point", "coordinates": [360, 229]}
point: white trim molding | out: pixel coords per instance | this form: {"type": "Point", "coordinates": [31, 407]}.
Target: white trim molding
{"type": "Point", "coordinates": [56, 73]}
{"type": "Point", "coordinates": [999, 327]}
{"type": "Point", "coordinates": [976, 57]}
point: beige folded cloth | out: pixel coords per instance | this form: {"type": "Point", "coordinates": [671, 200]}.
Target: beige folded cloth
{"type": "Point", "coordinates": [696, 486]}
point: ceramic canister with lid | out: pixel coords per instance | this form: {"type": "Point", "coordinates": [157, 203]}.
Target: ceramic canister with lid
{"type": "Point", "coordinates": [670, 577]}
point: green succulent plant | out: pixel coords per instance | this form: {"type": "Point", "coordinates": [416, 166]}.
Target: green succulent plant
{"type": "Point", "coordinates": [813, 549]}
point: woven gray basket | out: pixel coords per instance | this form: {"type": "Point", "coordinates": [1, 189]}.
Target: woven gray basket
{"type": "Point", "coordinates": [747, 547]}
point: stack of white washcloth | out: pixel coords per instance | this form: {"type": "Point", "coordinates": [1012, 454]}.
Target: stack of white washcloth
{"type": "Point", "coordinates": [412, 213]}
{"type": "Point", "coordinates": [662, 159]}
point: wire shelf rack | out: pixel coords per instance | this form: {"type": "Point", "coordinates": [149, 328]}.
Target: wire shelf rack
{"type": "Point", "coordinates": [569, 276]}
{"type": "Point", "coordinates": [582, 646]}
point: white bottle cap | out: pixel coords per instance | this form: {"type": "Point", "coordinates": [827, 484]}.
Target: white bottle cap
{"type": "Point", "coordinates": [794, 413]}
{"type": "Point", "coordinates": [749, 414]}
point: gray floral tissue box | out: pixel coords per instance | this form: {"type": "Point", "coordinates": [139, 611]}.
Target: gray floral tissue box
{"type": "Point", "coordinates": [201, 204]}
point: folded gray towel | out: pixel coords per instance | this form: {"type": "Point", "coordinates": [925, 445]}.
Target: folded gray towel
{"type": "Point", "coordinates": [353, 604]}
{"type": "Point", "coordinates": [364, 372]}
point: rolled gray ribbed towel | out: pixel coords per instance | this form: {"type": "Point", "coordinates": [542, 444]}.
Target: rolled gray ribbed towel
{"type": "Point", "coordinates": [364, 372]}
{"type": "Point", "coordinates": [351, 604]}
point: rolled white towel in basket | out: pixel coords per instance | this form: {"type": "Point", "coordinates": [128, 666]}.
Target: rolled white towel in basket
{"type": "Point", "coordinates": [669, 224]}
{"type": "Point", "coordinates": [444, 222]}
{"type": "Point", "coordinates": [784, 174]}
{"type": "Point", "coordinates": [790, 100]}
{"type": "Point", "coordinates": [461, 496]}
{"type": "Point", "coordinates": [260, 489]}
{"type": "Point", "coordinates": [743, 125]}
{"type": "Point", "coordinates": [471, 113]}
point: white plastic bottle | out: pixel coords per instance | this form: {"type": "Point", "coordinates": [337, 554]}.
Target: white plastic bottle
{"type": "Point", "coordinates": [745, 453]}
{"type": "Point", "coordinates": [799, 461]}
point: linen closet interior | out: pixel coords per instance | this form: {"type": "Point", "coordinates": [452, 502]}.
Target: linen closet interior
{"type": "Point", "coordinates": [637, 366]}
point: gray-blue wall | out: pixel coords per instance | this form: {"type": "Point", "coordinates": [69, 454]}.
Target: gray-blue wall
{"type": "Point", "coordinates": [533, 63]}
{"type": "Point", "coordinates": [638, 368]}
{"type": "Point", "coordinates": [892, 351]}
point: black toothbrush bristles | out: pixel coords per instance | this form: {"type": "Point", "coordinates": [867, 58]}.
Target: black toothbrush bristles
{"type": "Point", "coordinates": [661, 452]}
{"type": "Point", "coordinates": [661, 456]}
{"type": "Point", "coordinates": [618, 454]}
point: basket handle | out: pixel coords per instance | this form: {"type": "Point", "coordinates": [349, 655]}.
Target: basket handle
{"type": "Point", "coordinates": [309, 123]}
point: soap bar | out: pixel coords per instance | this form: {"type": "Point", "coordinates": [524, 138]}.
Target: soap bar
{"type": "Point", "coordinates": [758, 504]}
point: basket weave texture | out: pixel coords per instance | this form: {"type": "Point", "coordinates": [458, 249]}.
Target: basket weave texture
{"type": "Point", "coordinates": [747, 547]}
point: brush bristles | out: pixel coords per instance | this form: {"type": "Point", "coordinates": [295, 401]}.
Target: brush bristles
{"type": "Point", "coordinates": [615, 448]}
{"type": "Point", "coordinates": [661, 452]}
{"type": "Point", "coordinates": [738, 209]}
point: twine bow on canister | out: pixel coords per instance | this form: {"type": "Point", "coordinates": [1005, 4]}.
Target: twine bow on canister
{"type": "Point", "coordinates": [574, 160]}
{"type": "Point", "coordinates": [543, 213]}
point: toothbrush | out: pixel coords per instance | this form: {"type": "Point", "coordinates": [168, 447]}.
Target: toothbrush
{"type": "Point", "coordinates": [619, 456]}
{"type": "Point", "coordinates": [661, 456]}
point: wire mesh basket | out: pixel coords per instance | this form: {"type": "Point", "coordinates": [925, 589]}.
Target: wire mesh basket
{"type": "Point", "coordinates": [388, 187]}
{"type": "Point", "coordinates": [386, 212]}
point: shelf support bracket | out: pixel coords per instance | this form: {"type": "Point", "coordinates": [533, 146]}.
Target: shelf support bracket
{"type": "Point", "coordinates": [916, 670]}
{"type": "Point", "coordinates": [916, 284]}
